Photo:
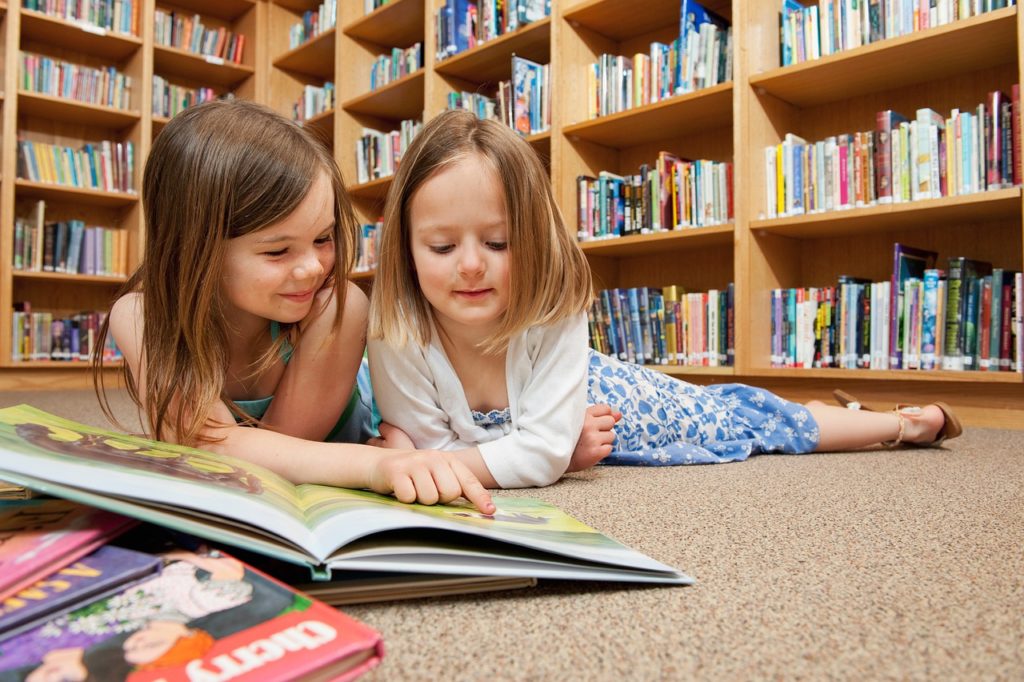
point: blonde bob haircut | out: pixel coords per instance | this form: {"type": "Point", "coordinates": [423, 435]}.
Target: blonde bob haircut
{"type": "Point", "coordinates": [217, 171]}
{"type": "Point", "coordinates": [549, 275]}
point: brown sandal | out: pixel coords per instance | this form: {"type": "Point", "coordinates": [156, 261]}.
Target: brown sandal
{"type": "Point", "coordinates": [951, 428]}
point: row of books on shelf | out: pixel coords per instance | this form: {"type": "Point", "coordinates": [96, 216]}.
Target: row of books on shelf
{"type": "Point", "coordinates": [928, 157]}
{"type": "Point", "coordinates": [665, 326]}
{"type": "Point", "coordinates": [965, 318]}
{"type": "Point", "coordinates": [366, 247]}
{"type": "Point", "coordinates": [815, 31]}
{"type": "Point", "coordinates": [49, 336]}
{"type": "Point", "coordinates": [175, 29]}
{"type": "Point", "coordinates": [399, 63]}
{"type": "Point", "coordinates": [67, 246]}
{"type": "Point", "coordinates": [673, 194]}
{"type": "Point", "coordinates": [378, 153]}
{"type": "Point", "coordinates": [314, 100]}
{"type": "Point", "coordinates": [58, 78]}
{"type": "Point", "coordinates": [170, 99]}
{"type": "Point", "coordinates": [461, 25]}
{"type": "Point", "coordinates": [314, 22]}
{"type": "Point", "coordinates": [106, 165]}
{"type": "Point", "coordinates": [119, 16]}
{"type": "Point", "coordinates": [523, 102]}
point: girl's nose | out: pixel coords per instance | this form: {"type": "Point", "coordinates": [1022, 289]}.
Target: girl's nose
{"type": "Point", "coordinates": [470, 262]}
{"type": "Point", "coordinates": [310, 266]}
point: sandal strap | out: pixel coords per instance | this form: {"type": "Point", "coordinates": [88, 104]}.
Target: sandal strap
{"type": "Point", "coordinates": [899, 435]}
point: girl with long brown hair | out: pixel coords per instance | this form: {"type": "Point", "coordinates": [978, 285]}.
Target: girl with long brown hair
{"type": "Point", "coordinates": [241, 314]}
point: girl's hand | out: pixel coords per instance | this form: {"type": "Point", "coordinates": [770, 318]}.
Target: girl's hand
{"type": "Point", "coordinates": [595, 441]}
{"type": "Point", "coordinates": [428, 477]}
{"type": "Point", "coordinates": [392, 437]}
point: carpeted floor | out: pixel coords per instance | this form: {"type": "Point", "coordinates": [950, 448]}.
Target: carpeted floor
{"type": "Point", "coordinates": [873, 565]}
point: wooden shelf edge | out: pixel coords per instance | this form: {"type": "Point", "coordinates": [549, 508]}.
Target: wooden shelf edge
{"type": "Point", "coordinates": [69, 277]}
{"type": "Point", "coordinates": [293, 58]}
{"type": "Point", "coordinates": [459, 62]}
{"type": "Point", "coordinates": [126, 116]}
{"type": "Point", "coordinates": [95, 195]}
{"type": "Point", "coordinates": [657, 242]}
{"type": "Point", "coordinates": [409, 23]}
{"type": "Point", "coordinates": [822, 224]}
{"type": "Point", "coordinates": [887, 375]}
{"type": "Point", "coordinates": [699, 110]}
{"type": "Point", "coordinates": [103, 33]}
{"type": "Point", "coordinates": [364, 103]}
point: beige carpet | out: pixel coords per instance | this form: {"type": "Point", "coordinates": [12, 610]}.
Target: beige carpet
{"type": "Point", "coordinates": [871, 565]}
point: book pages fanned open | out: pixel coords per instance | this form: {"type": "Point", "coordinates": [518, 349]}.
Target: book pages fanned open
{"type": "Point", "coordinates": [328, 529]}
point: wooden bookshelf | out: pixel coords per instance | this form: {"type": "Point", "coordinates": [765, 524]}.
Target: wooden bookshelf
{"type": "Point", "coordinates": [942, 68]}
{"type": "Point", "coordinates": [43, 118]}
{"type": "Point", "coordinates": [946, 67]}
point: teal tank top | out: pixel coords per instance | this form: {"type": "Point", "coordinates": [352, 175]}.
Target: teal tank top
{"type": "Point", "coordinates": [358, 422]}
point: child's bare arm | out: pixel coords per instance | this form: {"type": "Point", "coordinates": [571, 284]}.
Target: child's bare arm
{"type": "Point", "coordinates": [321, 374]}
{"type": "Point", "coordinates": [426, 476]}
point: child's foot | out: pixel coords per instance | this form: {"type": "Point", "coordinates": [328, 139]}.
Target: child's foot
{"type": "Point", "coordinates": [922, 424]}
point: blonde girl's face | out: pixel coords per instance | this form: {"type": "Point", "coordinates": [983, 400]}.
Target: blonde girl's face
{"type": "Point", "coordinates": [275, 273]}
{"type": "Point", "coordinates": [459, 242]}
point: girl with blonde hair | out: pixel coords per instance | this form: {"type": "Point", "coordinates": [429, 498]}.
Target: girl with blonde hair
{"type": "Point", "coordinates": [478, 335]}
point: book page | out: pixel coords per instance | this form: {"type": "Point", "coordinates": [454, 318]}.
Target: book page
{"type": "Point", "coordinates": [48, 448]}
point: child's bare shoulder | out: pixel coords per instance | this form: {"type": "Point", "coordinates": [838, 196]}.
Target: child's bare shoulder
{"type": "Point", "coordinates": [127, 311]}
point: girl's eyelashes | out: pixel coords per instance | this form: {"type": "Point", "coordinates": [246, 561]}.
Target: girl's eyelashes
{"type": "Point", "coordinates": [442, 248]}
{"type": "Point", "coordinates": [497, 245]}
{"type": "Point", "coordinates": [319, 241]}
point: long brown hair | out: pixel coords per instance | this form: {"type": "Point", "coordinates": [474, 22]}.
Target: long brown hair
{"type": "Point", "coordinates": [549, 275]}
{"type": "Point", "coordinates": [217, 171]}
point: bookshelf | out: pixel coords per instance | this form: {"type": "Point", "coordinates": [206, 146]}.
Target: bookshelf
{"type": "Point", "coordinates": [948, 66]}
{"type": "Point", "coordinates": [43, 118]}
{"type": "Point", "coordinates": [945, 67]}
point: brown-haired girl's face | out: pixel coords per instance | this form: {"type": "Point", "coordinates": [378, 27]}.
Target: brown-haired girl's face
{"type": "Point", "coordinates": [458, 235]}
{"type": "Point", "coordinates": [275, 273]}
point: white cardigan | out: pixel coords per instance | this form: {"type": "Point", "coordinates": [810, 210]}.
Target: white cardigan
{"type": "Point", "coordinates": [417, 390]}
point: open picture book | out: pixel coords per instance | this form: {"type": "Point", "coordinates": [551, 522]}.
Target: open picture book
{"type": "Point", "coordinates": [328, 529]}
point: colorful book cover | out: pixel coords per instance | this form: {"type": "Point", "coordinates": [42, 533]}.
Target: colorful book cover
{"type": "Point", "coordinates": [39, 536]}
{"type": "Point", "coordinates": [206, 615]}
{"type": "Point", "coordinates": [96, 574]}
